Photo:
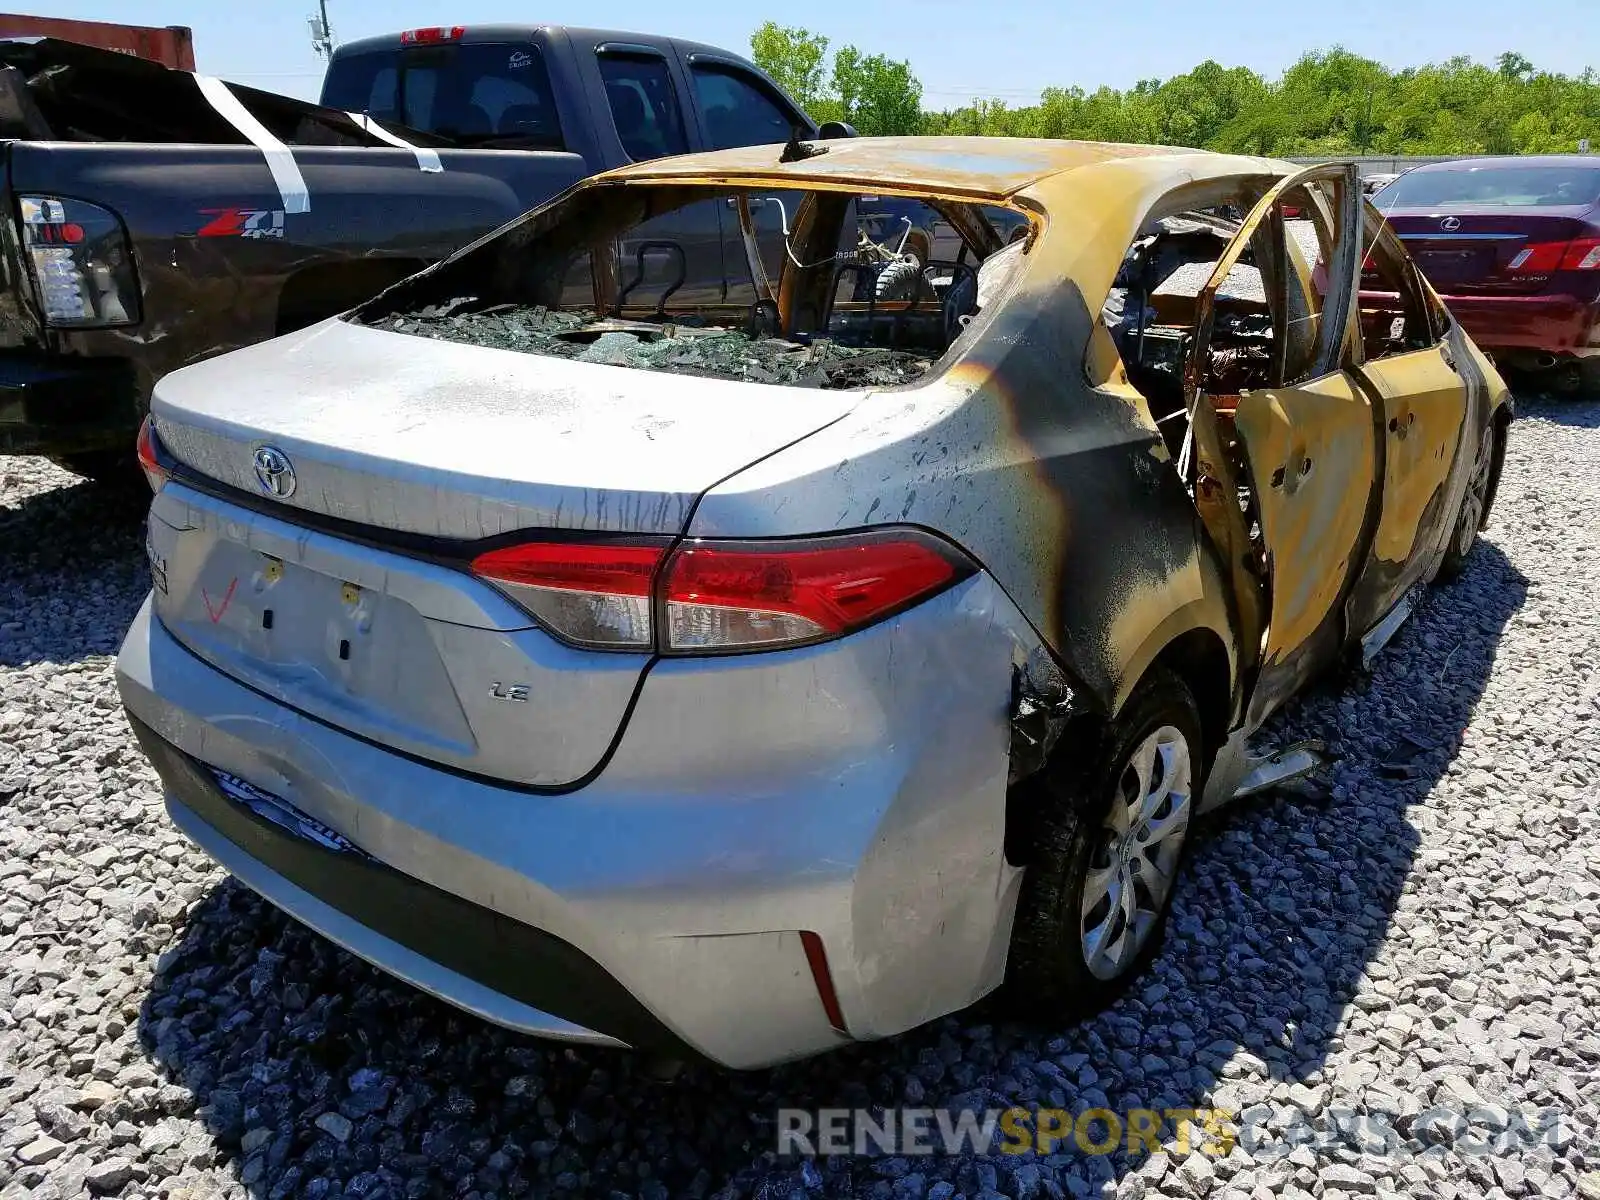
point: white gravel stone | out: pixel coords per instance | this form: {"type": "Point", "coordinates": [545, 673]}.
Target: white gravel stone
{"type": "Point", "coordinates": [40, 1150]}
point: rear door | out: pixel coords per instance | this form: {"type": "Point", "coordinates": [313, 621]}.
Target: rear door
{"type": "Point", "coordinates": [1307, 439]}
{"type": "Point", "coordinates": [1423, 400]}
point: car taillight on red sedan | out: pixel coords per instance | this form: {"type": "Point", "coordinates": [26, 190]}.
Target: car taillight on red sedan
{"type": "Point", "coordinates": [719, 596]}
{"type": "Point", "coordinates": [1545, 258]}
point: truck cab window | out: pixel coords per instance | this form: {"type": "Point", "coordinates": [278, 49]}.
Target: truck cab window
{"type": "Point", "coordinates": [740, 112]}
{"type": "Point", "coordinates": [644, 106]}
{"type": "Point", "coordinates": [479, 93]}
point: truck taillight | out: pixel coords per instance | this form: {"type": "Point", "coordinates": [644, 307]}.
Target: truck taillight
{"type": "Point", "coordinates": [1542, 258]}
{"type": "Point", "coordinates": [432, 34]}
{"type": "Point", "coordinates": [81, 263]}
{"type": "Point", "coordinates": [721, 596]}
{"type": "Point", "coordinates": [149, 456]}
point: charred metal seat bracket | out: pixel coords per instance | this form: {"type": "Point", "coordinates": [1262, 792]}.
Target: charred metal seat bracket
{"type": "Point", "coordinates": [527, 965]}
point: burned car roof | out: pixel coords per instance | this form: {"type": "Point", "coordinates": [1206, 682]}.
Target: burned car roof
{"type": "Point", "coordinates": [993, 168]}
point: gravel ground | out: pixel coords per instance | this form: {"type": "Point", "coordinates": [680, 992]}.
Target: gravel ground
{"type": "Point", "coordinates": [1425, 935]}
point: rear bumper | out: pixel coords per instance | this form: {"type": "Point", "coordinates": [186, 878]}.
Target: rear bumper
{"type": "Point", "coordinates": [54, 405]}
{"type": "Point", "coordinates": [498, 968]}
{"type": "Point", "coordinates": [1560, 325]}
{"type": "Point", "coordinates": [853, 790]}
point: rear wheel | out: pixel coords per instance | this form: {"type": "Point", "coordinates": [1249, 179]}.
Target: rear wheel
{"type": "Point", "coordinates": [1566, 379]}
{"type": "Point", "coordinates": [1105, 857]}
{"type": "Point", "coordinates": [1474, 510]}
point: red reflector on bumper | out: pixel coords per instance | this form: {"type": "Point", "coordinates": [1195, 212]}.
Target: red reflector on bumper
{"type": "Point", "coordinates": [817, 958]}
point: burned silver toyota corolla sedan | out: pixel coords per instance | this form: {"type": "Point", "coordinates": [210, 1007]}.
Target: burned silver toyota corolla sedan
{"type": "Point", "coordinates": [743, 644]}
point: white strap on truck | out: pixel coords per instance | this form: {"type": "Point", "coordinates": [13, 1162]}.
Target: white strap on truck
{"type": "Point", "coordinates": [427, 160]}
{"type": "Point", "coordinates": [280, 159]}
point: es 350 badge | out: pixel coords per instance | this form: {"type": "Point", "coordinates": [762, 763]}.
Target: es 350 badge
{"type": "Point", "coordinates": [242, 222]}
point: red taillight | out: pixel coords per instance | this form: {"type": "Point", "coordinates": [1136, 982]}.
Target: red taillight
{"type": "Point", "coordinates": [748, 595]}
{"type": "Point", "coordinates": [1583, 254]}
{"type": "Point", "coordinates": [1544, 258]}
{"type": "Point", "coordinates": [149, 463]}
{"type": "Point", "coordinates": [434, 33]}
{"type": "Point", "coordinates": [720, 596]}
{"type": "Point", "coordinates": [592, 593]}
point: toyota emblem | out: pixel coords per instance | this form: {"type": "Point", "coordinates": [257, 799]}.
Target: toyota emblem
{"type": "Point", "coordinates": [1450, 224]}
{"type": "Point", "coordinates": [273, 471]}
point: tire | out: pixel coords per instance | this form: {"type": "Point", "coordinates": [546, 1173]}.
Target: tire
{"type": "Point", "coordinates": [101, 466]}
{"type": "Point", "coordinates": [1474, 511]}
{"type": "Point", "coordinates": [1078, 846]}
{"type": "Point", "coordinates": [1566, 380]}
{"type": "Point", "coordinates": [1589, 378]}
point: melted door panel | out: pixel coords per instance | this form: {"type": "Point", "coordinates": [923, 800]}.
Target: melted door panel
{"type": "Point", "coordinates": [1312, 466]}
{"type": "Point", "coordinates": [1423, 408]}
{"type": "Point", "coordinates": [1310, 447]}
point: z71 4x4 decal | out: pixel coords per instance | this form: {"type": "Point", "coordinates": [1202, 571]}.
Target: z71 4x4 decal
{"type": "Point", "coordinates": [242, 222]}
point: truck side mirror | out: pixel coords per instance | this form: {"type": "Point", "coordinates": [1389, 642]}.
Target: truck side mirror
{"type": "Point", "coordinates": [829, 130]}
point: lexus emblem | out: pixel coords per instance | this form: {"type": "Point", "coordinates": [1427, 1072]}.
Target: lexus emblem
{"type": "Point", "coordinates": [273, 471]}
{"type": "Point", "coordinates": [1450, 224]}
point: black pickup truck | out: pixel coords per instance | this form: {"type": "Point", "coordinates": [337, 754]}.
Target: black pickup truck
{"type": "Point", "coordinates": [150, 217]}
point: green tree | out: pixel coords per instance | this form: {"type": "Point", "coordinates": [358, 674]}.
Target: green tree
{"type": "Point", "coordinates": [793, 57]}
{"type": "Point", "coordinates": [876, 94]}
{"type": "Point", "coordinates": [879, 96]}
{"type": "Point", "coordinates": [1329, 103]}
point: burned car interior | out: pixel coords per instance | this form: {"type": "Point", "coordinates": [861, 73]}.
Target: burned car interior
{"type": "Point", "coordinates": [801, 294]}
{"type": "Point", "coordinates": [1264, 312]}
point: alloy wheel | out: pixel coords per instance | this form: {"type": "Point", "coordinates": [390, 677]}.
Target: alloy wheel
{"type": "Point", "coordinates": [1136, 856]}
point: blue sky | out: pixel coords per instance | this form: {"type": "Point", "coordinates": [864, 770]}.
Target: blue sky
{"type": "Point", "coordinates": [959, 48]}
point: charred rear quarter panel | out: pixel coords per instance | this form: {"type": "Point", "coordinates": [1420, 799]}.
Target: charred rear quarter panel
{"type": "Point", "coordinates": [1064, 492]}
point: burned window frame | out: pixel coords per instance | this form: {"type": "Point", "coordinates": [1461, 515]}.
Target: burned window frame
{"type": "Point", "coordinates": [1426, 321]}
{"type": "Point", "coordinates": [530, 261]}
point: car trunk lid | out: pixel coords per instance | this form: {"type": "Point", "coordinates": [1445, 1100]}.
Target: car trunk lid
{"type": "Point", "coordinates": [432, 438]}
{"type": "Point", "coordinates": [349, 598]}
{"type": "Point", "coordinates": [1511, 252]}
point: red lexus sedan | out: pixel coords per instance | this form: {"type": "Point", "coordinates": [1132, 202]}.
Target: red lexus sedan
{"type": "Point", "coordinates": [1513, 247]}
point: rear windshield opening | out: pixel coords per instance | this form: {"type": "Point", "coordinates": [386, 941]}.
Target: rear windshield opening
{"type": "Point", "coordinates": [795, 287]}
{"type": "Point", "coordinates": [1495, 187]}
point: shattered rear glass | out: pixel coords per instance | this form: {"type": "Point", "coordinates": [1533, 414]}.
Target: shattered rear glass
{"type": "Point", "coordinates": [680, 347]}
{"type": "Point", "coordinates": [793, 287]}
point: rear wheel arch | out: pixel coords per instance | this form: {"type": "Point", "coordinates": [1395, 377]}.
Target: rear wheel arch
{"type": "Point", "coordinates": [1198, 658]}
{"type": "Point", "coordinates": [1500, 426]}
{"type": "Point", "coordinates": [1050, 967]}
